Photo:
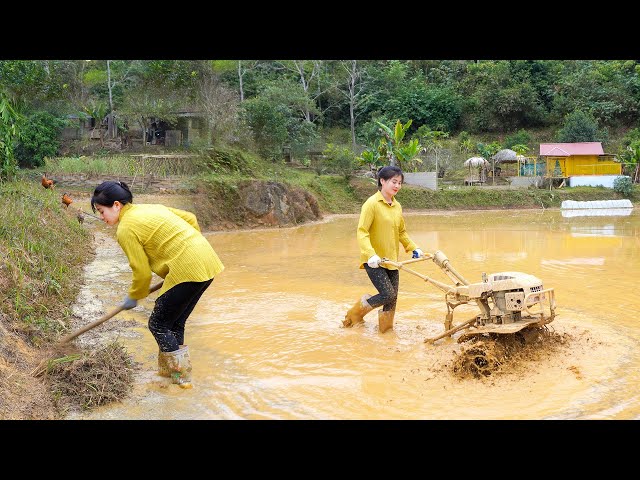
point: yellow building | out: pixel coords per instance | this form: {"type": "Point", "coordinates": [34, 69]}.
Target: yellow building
{"type": "Point", "coordinates": [564, 160]}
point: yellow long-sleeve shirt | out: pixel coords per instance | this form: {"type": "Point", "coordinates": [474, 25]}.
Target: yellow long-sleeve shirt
{"type": "Point", "coordinates": [381, 229]}
{"type": "Point", "coordinates": [166, 241]}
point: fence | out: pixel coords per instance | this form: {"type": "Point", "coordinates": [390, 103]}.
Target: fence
{"type": "Point", "coordinates": [137, 183]}
{"type": "Point", "coordinates": [167, 165]}
{"type": "Point", "coordinates": [163, 165]}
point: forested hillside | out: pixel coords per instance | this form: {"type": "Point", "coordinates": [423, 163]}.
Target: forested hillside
{"type": "Point", "coordinates": [271, 106]}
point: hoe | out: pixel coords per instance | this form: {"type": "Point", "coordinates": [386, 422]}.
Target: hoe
{"type": "Point", "coordinates": [508, 301]}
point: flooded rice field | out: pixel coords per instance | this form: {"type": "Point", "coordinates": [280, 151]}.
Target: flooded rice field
{"type": "Point", "coordinates": [266, 339]}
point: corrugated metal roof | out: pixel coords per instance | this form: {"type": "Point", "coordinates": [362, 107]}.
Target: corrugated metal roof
{"type": "Point", "coordinates": [568, 149]}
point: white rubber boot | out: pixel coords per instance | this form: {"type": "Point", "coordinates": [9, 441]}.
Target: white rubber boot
{"type": "Point", "coordinates": [179, 365]}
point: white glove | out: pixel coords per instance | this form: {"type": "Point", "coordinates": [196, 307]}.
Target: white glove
{"type": "Point", "coordinates": [374, 261]}
{"type": "Point", "coordinates": [128, 303]}
{"type": "Point", "coordinates": [417, 253]}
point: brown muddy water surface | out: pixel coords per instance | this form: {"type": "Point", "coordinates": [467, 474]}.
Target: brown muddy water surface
{"type": "Point", "coordinates": [266, 341]}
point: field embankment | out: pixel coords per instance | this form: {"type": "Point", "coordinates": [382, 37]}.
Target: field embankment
{"type": "Point", "coordinates": [43, 249]}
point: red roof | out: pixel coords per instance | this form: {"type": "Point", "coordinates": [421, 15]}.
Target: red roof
{"type": "Point", "coordinates": [568, 149]}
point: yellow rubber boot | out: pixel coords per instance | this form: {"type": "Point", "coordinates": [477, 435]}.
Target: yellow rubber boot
{"type": "Point", "coordinates": [356, 313]}
{"type": "Point", "coordinates": [385, 320]}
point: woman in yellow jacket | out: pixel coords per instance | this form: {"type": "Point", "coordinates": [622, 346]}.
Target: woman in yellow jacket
{"type": "Point", "coordinates": [166, 241]}
{"type": "Point", "coordinates": [380, 231]}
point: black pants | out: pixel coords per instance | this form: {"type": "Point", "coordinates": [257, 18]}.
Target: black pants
{"type": "Point", "coordinates": [387, 283]}
{"type": "Point", "coordinates": [171, 311]}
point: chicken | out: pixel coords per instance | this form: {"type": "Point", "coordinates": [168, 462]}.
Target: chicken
{"type": "Point", "coordinates": [46, 183]}
{"type": "Point", "coordinates": [80, 217]}
{"type": "Point", "coordinates": [66, 200]}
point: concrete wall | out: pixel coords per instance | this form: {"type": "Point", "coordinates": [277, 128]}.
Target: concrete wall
{"type": "Point", "coordinates": [525, 182]}
{"type": "Point", "coordinates": [593, 180]}
{"type": "Point", "coordinates": [422, 179]}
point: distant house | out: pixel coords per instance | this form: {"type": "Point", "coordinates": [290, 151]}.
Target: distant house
{"type": "Point", "coordinates": [190, 126]}
{"type": "Point", "coordinates": [564, 160]}
{"type": "Point", "coordinates": [78, 126]}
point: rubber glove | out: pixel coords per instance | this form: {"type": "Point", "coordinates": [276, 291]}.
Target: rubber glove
{"type": "Point", "coordinates": [374, 261]}
{"type": "Point", "coordinates": [417, 253]}
{"type": "Point", "coordinates": [129, 303]}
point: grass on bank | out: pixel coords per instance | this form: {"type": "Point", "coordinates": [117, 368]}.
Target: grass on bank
{"type": "Point", "coordinates": [476, 198]}
{"type": "Point", "coordinates": [218, 172]}
{"type": "Point", "coordinates": [43, 249]}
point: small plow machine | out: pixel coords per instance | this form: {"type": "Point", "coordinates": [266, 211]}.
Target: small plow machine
{"type": "Point", "coordinates": [508, 301]}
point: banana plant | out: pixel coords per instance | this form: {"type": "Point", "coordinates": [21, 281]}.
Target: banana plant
{"type": "Point", "coordinates": [407, 154]}
{"type": "Point", "coordinates": [374, 157]}
{"type": "Point", "coordinates": [10, 120]}
{"type": "Point", "coordinates": [398, 152]}
{"type": "Point", "coordinates": [98, 111]}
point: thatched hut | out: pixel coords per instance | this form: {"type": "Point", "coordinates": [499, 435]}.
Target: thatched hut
{"type": "Point", "coordinates": [504, 156]}
{"type": "Point", "coordinates": [477, 170]}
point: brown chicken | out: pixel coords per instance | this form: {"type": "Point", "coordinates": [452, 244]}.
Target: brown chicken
{"type": "Point", "coordinates": [46, 183]}
{"type": "Point", "coordinates": [66, 200]}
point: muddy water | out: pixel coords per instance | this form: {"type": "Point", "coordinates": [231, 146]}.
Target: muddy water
{"type": "Point", "coordinates": [266, 341]}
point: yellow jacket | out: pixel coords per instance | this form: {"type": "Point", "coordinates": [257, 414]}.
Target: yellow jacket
{"type": "Point", "coordinates": [380, 230]}
{"type": "Point", "coordinates": [166, 241]}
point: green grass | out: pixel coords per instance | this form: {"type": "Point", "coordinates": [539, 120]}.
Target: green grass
{"type": "Point", "coordinates": [463, 198]}
{"type": "Point", "coordinates": [117, 164]}
{"type": "Point", "coordinates": [219, 172]}
{"type": "Point", "coordinates": [43, 250]}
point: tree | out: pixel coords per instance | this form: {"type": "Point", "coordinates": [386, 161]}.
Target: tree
{"type": "Point", "coordinates": [432, 141]}
{"type": "Point", "coordinates": [353, 94]}
{"type": "Point", "coordinates": [142, 103]}
{"type": "Point", "coordinates": [220, 105]}
{"type": "Point", "coordinates": [74, 87]}
{"type": "Point", "coordinates": [520, 149]}
{"type": "Point", "coordinates": [580, 126]}
{"type": "Point", "coordinates": [110, 123]}
{"type": "Point", "coordinates": [488, 151]}
{"type": "Point", "coordinates": [608, 89]}
{"type": "Point", "coordinates": [243, 68]}
{"type": "Point", "coordinates": [97, 111]}
{"type": "Point", "coordinates": [307, 70]}
{"type": "Point", "coordinates": [277, 116]}
{"type": "Point", "coordinates": [631, 159]}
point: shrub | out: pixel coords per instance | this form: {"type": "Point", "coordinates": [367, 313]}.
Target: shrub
{"type": "Point", "coordinates": [623, 186]}
{"type": "Point", "coordinates": [339, 160]}
{"type": "Point", "coordinates": [521, 137]}
{"type": "Point", "coordinates": [39, 139]}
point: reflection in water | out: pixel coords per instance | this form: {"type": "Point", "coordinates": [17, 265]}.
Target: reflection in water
{"type": "Point", "coordinates": [266, 342]}
{"type": "Point", "coordinates": [602, 231]}
{"type": "Point", "coordinates": [597, 212]}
